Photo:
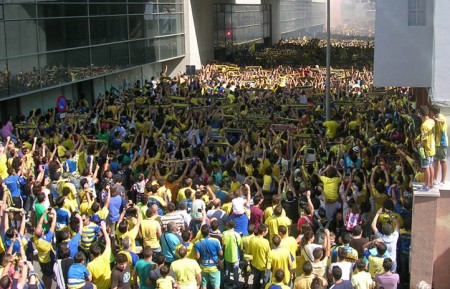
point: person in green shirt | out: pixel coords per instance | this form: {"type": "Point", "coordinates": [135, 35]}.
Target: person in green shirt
{"type": "Point", "coordinates": [232, 241]}
{"type": "Point", "coordinates": [143, 268]}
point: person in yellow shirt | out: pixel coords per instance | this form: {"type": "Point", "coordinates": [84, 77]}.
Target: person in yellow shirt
{"type": "Point", "coordinates": [280, 258]}
{"type": "Point", "coordinates": [187, 271]}
{"type": "Point", "coordinates": [331, 179]}
{"type": "Point", "coordinates": [331, 128]}
{"type": "Point", "coordinates": [429, 146]}
{"type": "Point", "coordinates": [378, 189]}
{"type": "Point", "coordinates": [259, 248]}
{"type": "Point", "coordinates": [122, 230]}
{"type": "Point", "coordinates": [151, 229]}
{"type": "Point", "coordinates": [99, 266]}
{"type": "Point", "coordinates": [43, 244]}
{"type": "Point", "coordinates": [288, 242]}
{"type": "Point", "coordinates": [441, 142]}
{"type": "Point", "coordinates": [165, 281]}
{"type": "Point", "coordinates": [277, 220]}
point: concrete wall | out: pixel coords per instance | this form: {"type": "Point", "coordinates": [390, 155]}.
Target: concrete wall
{"type": "Point", "coordinates": [403, 54]}
{"type": "Point", "coordinates": [441, 278]}
{"type": "Point", "coordinates": [441, 71]}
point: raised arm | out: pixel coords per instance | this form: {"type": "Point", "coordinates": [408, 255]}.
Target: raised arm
{"type": "Point", "coordinates": [375, 220]}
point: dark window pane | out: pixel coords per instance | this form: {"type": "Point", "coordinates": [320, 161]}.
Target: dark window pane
{"type": "Point", "coordinates": [137, 52]}
{"type": "Point", "coordinates": [107, 9]}
{"type": "Point", "coordinates": [58, 34]}
{"type": "Point", "coordinates": [108, 29]}
{"type": "Point", "coordinates": [2, 41]}
{"type": "Point", "coordinates": [50, 10]}
{"type": "Point", "coordinates": [150, 51]}
{"type": "Point", "coordinates": [119, 55]}
{"type": "Point", "coordinates": [75, 10]}
{"type": "Point", "coordinates": [137, 26]}
{"type": "Point", "coordinates": [136, 8]}
{"type": "Point", "coordinates": [101, 56]}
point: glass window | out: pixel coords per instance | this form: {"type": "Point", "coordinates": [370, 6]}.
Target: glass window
{"type": "Point", "coordinates": [107, 9]}
{"type": "Point", "coordinates": [119, 55]}
{"type": "Point", "coordinates": [101, 56]}
{"type": "Point", "coordinates": [150, 51]}
{"type": "Point", "coordinates": [24, 74]}
{"type": "Point", "coordinates": [136, 26]}
{"type": "Point", "coordinates": [21, 37]}
{"type": "Point", "coordinates": [137, 52]}
{"type": "Point", "coordinates": [50, 10]}
{"type": "Point", "coordinates": [58, 34]}
{"type": "Point", "coordinates": [75, 10]}
{"type": "Point", "coordinates": [417, 12]}
{"type": "Point", "coordinates": [108, 29]}
{"type": "Point", "coordinates": [1, 12]}
{"type": "Point", "coordinates": [78, 64]}
{"type": "Point", "coordinates": [136, 8]}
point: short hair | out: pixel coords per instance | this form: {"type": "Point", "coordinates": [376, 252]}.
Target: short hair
{"type": "Point", "coordinates": [346, 238]}
{"type": "Point", "coordinates": [170, 207]}
{"type": "Point", "coordinates": [79, 257]}
{"type": "Point", "coordinates": [214, 224]}
{"type": "Point", "coordinates": [164, 270]}
{"type": "Point", "coordinates": [279, 275]}
{"type": "Point", "coordinates": [63, 250]}
{"type": "Point", "coordinates": [231, 224]}
{"type": "Point", "coordinates": [424, 111]}
{"type": "Point", "coordinates": [360, 264]}
{"type": "Point", "coordinates": [251, 229]}
{"type": "Point", "coordinates": [318, 253]}
{"type": "Point", "coordinates": [262, 228]}
{"type": "Point", "coordinates": [159, 257]}
{"type": "Point", "coordinates": [95, 250]}
{"type": "Point", "coordinates": [147, 252]}
{"type": "Point", "coordinates": [121, 258]}
{"type": "Point", "coordinates": [381, 248]}
{"type": "Point", "coordinates": [256, 199]}
{"type": "Point", "coordinates": [186, 236]}
{"type": "Point", "coordinates": [387, 264]}
{"type": "Point", "coordinates": [276, 240]}
{"type": "Point", "coordinates": [5, 281]}
{"type": "Point", "coordinates": [123, 226]}
{"type": "Point", "coordinates": [278, 210]}
{"type": "Point", "coordinates": [205, 230]}
{"type": "Point", "coordinates": [171, 226]}
{"type": "Point", "coordinates": [342, 253]}
{"type": "Point", "coordinates": [282, 229]}
{"type": "Point", "coordinates": [387, 229]}
{"type": "Point", "coordinates": [182, 251]}
{"type": "Point", "coordinates": [357, 230]}
{"type": "Point", "coordinates": [126, 243]}
{"type": "Point", "coordinates": [316, 283]}
{"type": "Point", "coordinates": [307, 268]}
{"type": "Point", "coordinates": [336, 272]}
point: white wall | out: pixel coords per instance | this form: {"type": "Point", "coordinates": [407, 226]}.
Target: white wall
{"type": "Point", "coordinates": [403, 54]}
{"type": "Point", "coordinates": [441, 63]}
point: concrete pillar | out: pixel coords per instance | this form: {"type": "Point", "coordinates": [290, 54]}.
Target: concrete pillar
{"type": "Point", "coordinates": [275, 21]}
{"type": "Point", "coordinates": [423, 236]}
{"type": "Point", "coordinates": [441, 276]}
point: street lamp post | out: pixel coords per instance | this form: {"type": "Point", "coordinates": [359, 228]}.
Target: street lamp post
{"type": "Point", "coordinates": [328, 84]}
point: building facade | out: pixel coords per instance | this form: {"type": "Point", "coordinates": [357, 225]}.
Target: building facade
{"type": "Point", "coordinates": [84, 47]}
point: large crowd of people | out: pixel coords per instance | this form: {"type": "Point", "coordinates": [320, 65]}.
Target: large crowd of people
{"type": "Point", "coordinates": [196, 181]}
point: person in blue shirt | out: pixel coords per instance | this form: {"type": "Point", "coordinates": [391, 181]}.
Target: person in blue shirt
{"type": "Point", "coordinates": [75, 241]}
{"type": "Point", "coordinates": [208, 251]}
{"type": "Point", "coordinates": [169, 241]}
{"type": "Point", "coordinates": [62, 214]}
{"type": "Point", "coordinates": [12, 182]}
{"type": "Point", "coordinates": [12, 236]}
{"type": "Point", "coordinates": [78, 275]}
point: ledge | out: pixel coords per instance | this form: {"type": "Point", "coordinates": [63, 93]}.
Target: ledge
{"type": "Point", "coordinates": [433, 193]}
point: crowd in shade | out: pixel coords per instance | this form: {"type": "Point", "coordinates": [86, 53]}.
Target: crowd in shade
{"type": "Point", "coordinates": [229, 178]}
